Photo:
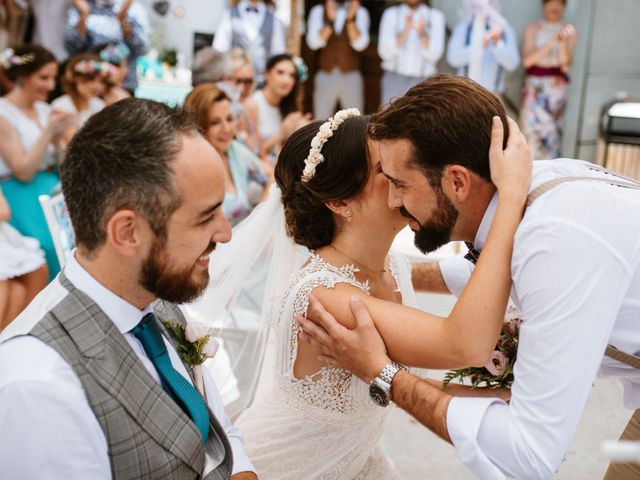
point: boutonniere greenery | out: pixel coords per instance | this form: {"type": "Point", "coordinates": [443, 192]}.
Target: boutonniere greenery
{"type": "Point", "coordinates": [195, 345]}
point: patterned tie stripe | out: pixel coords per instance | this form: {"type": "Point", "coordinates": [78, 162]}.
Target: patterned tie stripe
{"type": "Point", "coordinates": [178, 388]}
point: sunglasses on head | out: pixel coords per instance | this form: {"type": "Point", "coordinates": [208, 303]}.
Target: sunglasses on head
{"type": "Point", "coordinates": [243, 81]}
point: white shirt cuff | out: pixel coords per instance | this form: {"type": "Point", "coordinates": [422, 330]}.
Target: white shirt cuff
{"type": "Point", "coordinates": [464, 417]}
{"type": "Point", "coordinates": [456, 271]}
{"type": "Point", "coordinates": [241, 462]}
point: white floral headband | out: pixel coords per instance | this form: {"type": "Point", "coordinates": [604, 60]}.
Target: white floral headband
{"type": "Point", "coordinates": [325, 132]}
{"type": "Point", "coordinates": [8, 58]}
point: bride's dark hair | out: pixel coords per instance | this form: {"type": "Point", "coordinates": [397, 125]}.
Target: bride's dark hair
{"type": "Point", "coordinates": [342, 175]}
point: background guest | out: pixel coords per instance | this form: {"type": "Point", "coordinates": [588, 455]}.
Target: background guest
{"type": "Point", "coordinates": [339, 30]}
{"type": "Point", "coordinates": [83, 82]}
{"type": "Point", "coordinates": [29, 130]}
{"type": "Point", "coordinates": [210, 66]}
{"type": "Point", "coordinates": [245, 178]}
{"type": "Point", "coordinates": [547, 53]}
{"type": "Point", "coordinates": [116, 54]}
{"type": "Point", "coordinates": [483, 45]}
{"type": "Point", "coordinates": [252, 26]}
{"type": "Point", "coordinates": [243, 77]}
{"type": "Point", "coordinates": [95, 22]}
{"type": "Point", "coordinates": [410, 43]}
{"type": "Point", "coordinates": [23, 271]}
{"type": "Point", "coordinates": [50, 18]}
{"type": "Point", "coordinates": [274, 110]}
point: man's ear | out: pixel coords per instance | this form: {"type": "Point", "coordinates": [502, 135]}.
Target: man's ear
{"type": "Point", "coordinates": [457, 182]}
{"type": "Point", "coordinates": [127, 232]}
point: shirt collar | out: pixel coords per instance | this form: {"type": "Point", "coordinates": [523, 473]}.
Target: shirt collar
{"type": "Point", "coordinates": [483, 229]}
{"type": "Point", "coordinates": [123, 315]}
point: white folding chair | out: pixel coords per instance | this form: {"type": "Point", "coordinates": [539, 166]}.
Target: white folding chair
{"type": "Point", "coordinates": [59, 223]}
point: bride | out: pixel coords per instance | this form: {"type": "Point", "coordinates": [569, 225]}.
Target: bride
{"type": "Point", "coordinates": [310, 421]}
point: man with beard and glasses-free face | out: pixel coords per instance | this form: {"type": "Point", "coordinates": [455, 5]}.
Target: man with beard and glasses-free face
{"type": "Point", "coordinates": [575, 281]}
{"type": "Point", "coordinates": [91, 383]}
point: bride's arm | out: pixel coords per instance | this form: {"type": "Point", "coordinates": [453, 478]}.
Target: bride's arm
{"type": "Point", "coordinates": [469, 334]}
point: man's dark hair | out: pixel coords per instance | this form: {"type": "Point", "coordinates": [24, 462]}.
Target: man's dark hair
{"type": "Point", "coordinates": [121, 158]}
{"type": "Point", "coordinates": [448, 121]}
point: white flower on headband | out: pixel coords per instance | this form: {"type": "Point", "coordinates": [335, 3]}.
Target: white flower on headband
{"type": "Point", "coordinates": [325, 132]}
{"type": "Point", "coordinates": [8, 58]}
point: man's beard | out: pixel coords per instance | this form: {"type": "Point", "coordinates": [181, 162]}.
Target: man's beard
{"type": "Point", "coordinates": [168, 283]}
{"type": "Point", "coordinates": [437, 231]}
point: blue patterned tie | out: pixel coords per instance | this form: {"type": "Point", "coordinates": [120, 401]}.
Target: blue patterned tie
{"type": "Point", "coordinates": [184, 394]}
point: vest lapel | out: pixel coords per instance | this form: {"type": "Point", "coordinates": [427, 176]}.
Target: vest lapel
{"type": "Point", "coordinates": [220, 450]}
{"type": "Point", "coordinates": [116, 367]}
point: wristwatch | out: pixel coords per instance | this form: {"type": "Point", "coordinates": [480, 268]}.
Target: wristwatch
{"type": "Point", "coordinates": [380, 387]}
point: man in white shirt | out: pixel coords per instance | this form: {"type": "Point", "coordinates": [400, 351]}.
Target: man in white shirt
{"type": "Point", "coordinates": [86, 391]}
{"type": "Point", "coordinates": [410, 43]}
{"type": "Point", "coordinates": [497, 48]}
{"type": "Point", "coordinates": [252, 26]}
{"type": "Point", "coordinates": [575, 272]}
{"type": "Point", "coordinates": [340, 31]}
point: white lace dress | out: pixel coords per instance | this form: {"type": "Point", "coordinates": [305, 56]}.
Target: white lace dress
{"type": "Point", "coordinates": [324, 426]}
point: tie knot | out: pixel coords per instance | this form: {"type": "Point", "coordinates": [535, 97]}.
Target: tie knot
{"type": "Point", "coordinates": [148, 333]}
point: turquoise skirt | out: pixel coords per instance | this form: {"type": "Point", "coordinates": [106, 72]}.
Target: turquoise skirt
{"type": "Point", "coordinates": [26, 212]}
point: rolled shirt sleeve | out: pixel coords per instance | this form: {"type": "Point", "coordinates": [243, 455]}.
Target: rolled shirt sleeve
{"type": "Point", "coordinates": [387, 41]}
{"type": "Point", "coordinates": [456, 271]}
{"type": "Point", "coordinates": [506, 51]}
{"type": "Point", "coordinates": [569, 304]}
{"type": "Point", "coordinates": [436, 38]}
{"type": "Point", "coordinates": [314, 26]}
{"type": "Point", "coordinates": [241, 462]}
{"type": "Point", "coordinates": [363, 22]}
{"type": "Point", "coordinates": [222, 37]}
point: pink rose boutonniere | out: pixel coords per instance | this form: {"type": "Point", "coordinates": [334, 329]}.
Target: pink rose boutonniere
{"type": "Point", "coordinates": [498, 371]}
{"type": "Point", "coordinates": [195, 345]}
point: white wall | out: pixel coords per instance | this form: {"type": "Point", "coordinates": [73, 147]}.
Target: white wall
{"type": "Point", "coordinates": [171, 31]}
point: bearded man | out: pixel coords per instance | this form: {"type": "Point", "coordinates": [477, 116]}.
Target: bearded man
{"type": "Point", "coordinates": [91, 384]}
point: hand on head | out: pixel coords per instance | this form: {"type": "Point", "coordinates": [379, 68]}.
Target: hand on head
{"type": "Point", "coordinates": [361, 350]}
{"type": "Point", "coordinates": [511, 167]}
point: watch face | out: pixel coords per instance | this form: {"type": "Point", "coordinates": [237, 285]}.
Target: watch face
{"type": "Point", "coordinates": [379, 395]}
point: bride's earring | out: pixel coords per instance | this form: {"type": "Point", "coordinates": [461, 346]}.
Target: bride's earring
{"type": "Point", "coordinates": [349, 216]}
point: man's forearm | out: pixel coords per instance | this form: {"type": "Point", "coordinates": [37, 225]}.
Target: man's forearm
{"type": "Point", "coordinates": [427, 277]}
{"type": "Point", "coordinates": [425, 402]}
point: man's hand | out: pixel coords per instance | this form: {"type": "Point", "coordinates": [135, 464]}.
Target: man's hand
{"type": "Point", "coordinates": [244, 476]}
{"type": "Point", "coordinates": [492, 36]}
{"type": "Point", "coordinates": [361, 350]}
{"type": "Point", "coordinates": [353, 8]}
{"type": "Point", "coordinates": [330, 10]}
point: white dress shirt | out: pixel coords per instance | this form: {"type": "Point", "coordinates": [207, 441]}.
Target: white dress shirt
{"type": "Point", "coordinates": [315, 23]}
{"type": "Point", "coordinates": [497, 58]}
{"type": "Point", "coordinates": [49, 430]}
{"type": "Point", "coordinates": [576, 282]}
{"type": "Point", "coordinates": [251, 23]}
{"type": "Point", "coordinates": [411, 58]}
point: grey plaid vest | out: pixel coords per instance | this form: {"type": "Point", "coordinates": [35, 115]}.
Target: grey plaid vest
{"type": "Point", "coordinates": [148, 434]}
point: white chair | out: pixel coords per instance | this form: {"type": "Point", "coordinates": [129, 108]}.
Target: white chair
{"type": "Point", "coordinates": [59, 223]}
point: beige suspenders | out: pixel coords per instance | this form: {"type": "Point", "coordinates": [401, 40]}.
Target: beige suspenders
{"type": "Point", "coordinates": [611, 351]}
